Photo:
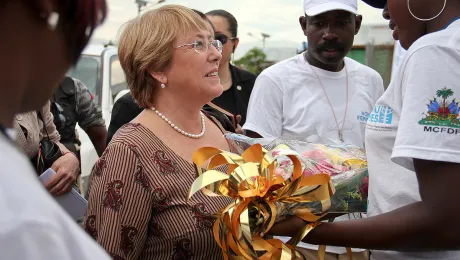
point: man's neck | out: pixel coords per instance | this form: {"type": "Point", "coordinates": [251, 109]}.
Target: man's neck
{"type": "Point", "coordinates": [329, 67]}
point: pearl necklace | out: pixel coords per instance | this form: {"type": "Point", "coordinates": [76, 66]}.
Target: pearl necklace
{"type": "Point", "coordinates": [203, 125]}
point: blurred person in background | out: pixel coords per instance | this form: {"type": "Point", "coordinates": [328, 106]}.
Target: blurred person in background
{"type": "Point", "coordinates": [31, 128]}
{"type": "Point", "coordinates": [412, 145]}
{"type": "Point", "coordinates": [137, 207]}
{"type": "Point", "coordinates": [35, 33]}
{"type": "Point", "coordinates": [125, 108]}
{"type": "Point", "coordinates": [72, 103]}
{"type": "Point", "coordinates": [237, 83]}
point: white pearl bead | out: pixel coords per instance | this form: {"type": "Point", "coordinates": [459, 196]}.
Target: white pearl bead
{"type": "Point", "coordinates": [180, 130]}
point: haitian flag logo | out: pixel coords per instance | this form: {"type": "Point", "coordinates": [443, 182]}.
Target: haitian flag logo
{"type": "Point", "coordinates": [442, 112]}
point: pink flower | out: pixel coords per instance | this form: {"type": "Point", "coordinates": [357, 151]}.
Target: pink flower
{"type": "Point", "coordinates": [284, 164]}
{"type": "Point", "coordinates": [280, 172]}
{"type": "Point", "coordinates": [364, 189]}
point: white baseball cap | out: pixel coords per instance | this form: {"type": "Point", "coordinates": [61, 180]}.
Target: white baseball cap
{"type": "Point", "coordinates": [315, 7]}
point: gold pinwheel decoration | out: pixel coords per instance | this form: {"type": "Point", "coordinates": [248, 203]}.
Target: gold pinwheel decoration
{"type": "Point", "coordinates": [251, 182]}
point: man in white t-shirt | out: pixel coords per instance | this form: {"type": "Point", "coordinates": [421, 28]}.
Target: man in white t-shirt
{"type": "Point", "coordinates": [319, 95]}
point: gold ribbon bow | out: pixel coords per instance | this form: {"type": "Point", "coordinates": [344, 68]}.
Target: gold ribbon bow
{"type": "Point", "coordinates": [251, 182]}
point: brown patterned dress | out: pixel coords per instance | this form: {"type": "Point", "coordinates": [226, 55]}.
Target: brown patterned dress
{"type": "Point", "coordinates": [137, 202]}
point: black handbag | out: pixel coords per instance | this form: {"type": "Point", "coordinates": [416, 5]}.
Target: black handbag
{"type": "Point", "coordinates": [48, 151]}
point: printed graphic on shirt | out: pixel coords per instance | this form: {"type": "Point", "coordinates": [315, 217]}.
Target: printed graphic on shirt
{"type": "Point", "coordinates": [127, 239]}
{"type": "Point", "coordinates": [363, 117]}
{"type": "Point", "coordinates": [380, 118]}
{"type": "Point", "coordinates": [442, 114]}
{"type": "Point", "coordinates": [381, 114]}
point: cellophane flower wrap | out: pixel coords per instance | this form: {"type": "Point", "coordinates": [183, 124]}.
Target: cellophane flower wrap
{"type": "Point", "coordinates": [270, 180]}
{"type": "Point", "coordinates": [345, 164]}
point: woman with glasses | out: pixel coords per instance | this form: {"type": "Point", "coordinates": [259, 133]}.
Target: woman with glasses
{"type": "Point", "coordinates": [237, 83]}
{"type": "Point", "coordinates": [137, 197]}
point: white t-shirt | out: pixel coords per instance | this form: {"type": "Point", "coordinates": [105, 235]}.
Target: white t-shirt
{"type": "Point", "coordinates": [411, 121]}
{"type": "Point", "coordinates": [32, 224]}
{"type": "Point", "coordinates": [288, 101]}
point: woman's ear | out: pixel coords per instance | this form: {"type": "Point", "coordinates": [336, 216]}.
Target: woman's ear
{"type": "Point", "coordinates": [159, 76]}
{"type": "Point", "coordinates": [235, 43]}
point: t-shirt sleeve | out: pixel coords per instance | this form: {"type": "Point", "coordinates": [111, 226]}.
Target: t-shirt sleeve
{"type": "Point", "coordinates": [265, 109]}
{"type": "Point", "coordinates": [429, 127]}
{"type": "Point", "coordinates": [379, 87]}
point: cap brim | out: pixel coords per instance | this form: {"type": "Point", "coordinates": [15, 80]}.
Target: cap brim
{"type": "Point", "coordinates": [380, 4]}
{"type": "Point", "coordinates": [331, 6]}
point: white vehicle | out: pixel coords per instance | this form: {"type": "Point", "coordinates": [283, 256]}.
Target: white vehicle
{"type": "Point", "coordinates": [100, 70]}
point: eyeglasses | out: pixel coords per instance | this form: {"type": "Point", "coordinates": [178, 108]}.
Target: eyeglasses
{"type": "Point", "coordinates": [202, 46]}
{"type": "Point", "coordinates": [224, 38]}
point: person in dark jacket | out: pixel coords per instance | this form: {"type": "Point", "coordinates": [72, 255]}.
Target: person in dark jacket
{"type": "Point", "coordinates": [237, 83]}
{"type": "Point", "coordinates": [72, 103]}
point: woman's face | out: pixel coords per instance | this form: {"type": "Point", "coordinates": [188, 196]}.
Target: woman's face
{"type": "Point", "coordinates": [192, 74]}
{"type": "Point", "coordinates": [221, 27]}
{"type": "Point", "coordinates": [405, 27]}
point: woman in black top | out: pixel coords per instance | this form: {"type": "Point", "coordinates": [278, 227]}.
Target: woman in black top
{"type": "Point", "coordinates": [237, 83]}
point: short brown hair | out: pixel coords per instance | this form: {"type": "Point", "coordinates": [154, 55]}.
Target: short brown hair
{"type": "Point", "coordinates": [147, 43]}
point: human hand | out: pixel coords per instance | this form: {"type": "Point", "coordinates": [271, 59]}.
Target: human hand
{"type": "Point", "coordinates": [238, 128]}
{"type": "Point", "coordinates": [67, 169]}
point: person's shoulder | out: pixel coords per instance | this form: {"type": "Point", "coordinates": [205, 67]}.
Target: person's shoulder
{"type": "Point", "coordinates": [279, 72]}
{"type": "Point", "coordinates": [244, 74]}
{"type": "Point", "coordinates": [363, 70]}
{"type": "Point", "coordinates": [444, 42]}
{"type": "Point", "coordinates": [282, 66]}
{"type": "Point", "coordinates": [127, 100]}
{"type": "Point", "coordinates": [133, 135]}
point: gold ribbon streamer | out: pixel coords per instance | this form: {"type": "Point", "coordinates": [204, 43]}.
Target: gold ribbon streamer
{"type": "Point", "coordinates": [250, 181]}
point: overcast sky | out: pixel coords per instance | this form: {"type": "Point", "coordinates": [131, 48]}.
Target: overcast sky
{"type": "Point", "coordinates": [278, 18]}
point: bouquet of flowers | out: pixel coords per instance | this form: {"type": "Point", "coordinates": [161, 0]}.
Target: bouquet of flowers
{"type": "Point", "coordinates": [345, 164]}
{"type": "Point", "coordinates": [272, 179]}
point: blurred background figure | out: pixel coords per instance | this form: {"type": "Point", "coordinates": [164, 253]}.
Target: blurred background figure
{"type": "Point", "coordinates": [37, 137]}
{"type": "Point", "coordinates": [35, 33]}
{"type": "Point", "coordinates": [237, 83]}
{"type": "Point", "coordinates": [73, 103]}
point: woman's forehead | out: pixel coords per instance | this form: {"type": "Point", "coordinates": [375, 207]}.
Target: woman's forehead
{"type": "Point", "coordinates": [201, 34]}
